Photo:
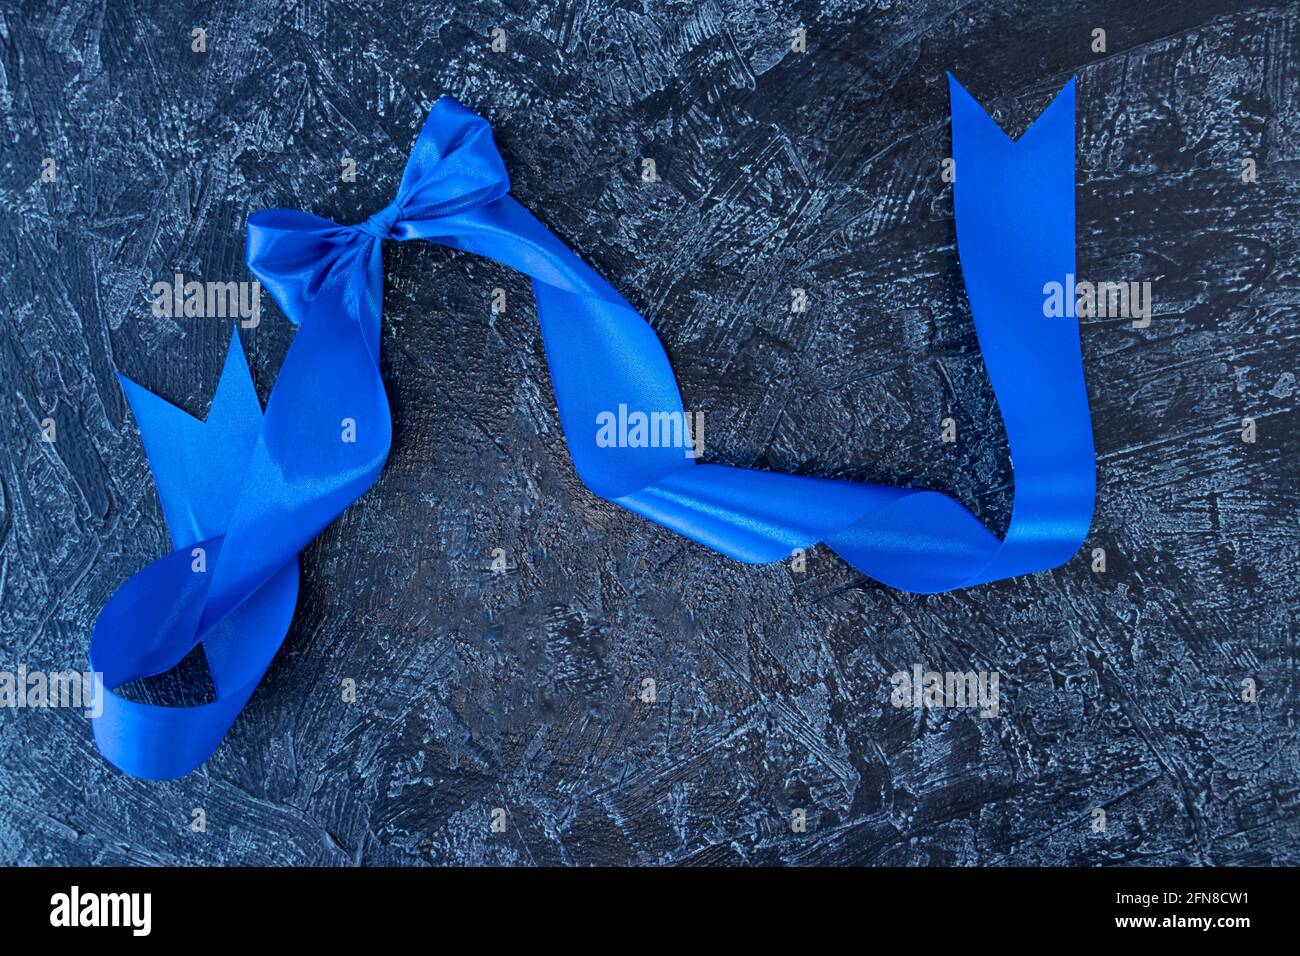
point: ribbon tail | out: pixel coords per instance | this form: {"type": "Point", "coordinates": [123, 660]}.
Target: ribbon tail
{"type": "Point", "coordinates": [324, 439]}
{"type": "Point", "coordinates": [198, 466]}
{"type": "Point", "coordinates": [153, 620]}
{"type": "Point", "coordinates": [1015, 232]}
{"type": "Point", "coordinates": [1015, 213]}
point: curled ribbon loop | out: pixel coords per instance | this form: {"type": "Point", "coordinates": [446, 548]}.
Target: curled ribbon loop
{"type": "Point", "coordinates": [249, 489]}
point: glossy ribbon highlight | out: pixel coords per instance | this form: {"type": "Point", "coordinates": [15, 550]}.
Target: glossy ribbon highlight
{"type": "Point", "coordinates": [249, 489]}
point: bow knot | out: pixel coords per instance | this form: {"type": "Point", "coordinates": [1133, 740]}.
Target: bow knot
{"type": "Point", "coordinates": [454, 167]}
{"type": "Point", "coordinates": [380, 225]}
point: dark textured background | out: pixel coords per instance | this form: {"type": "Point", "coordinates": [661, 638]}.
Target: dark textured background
{"type": "Point", "coordinates": [1120, 690]}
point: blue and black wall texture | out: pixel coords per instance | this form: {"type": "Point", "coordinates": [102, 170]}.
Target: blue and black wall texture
{"type": "Point", "coordinates": [543, 678]}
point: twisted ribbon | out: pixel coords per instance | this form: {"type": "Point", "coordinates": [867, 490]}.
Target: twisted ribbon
{"type": "Point", "coordinates": [245, 491]}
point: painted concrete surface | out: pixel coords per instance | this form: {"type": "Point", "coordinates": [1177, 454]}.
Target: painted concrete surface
{"type": "Point", "coordinates": [1120, 690]}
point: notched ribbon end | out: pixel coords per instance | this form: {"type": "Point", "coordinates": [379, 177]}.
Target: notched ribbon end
{"type": "Point", "coordinates": [198, 464]}
{"type": "Point", "coordinates": [969, 116]}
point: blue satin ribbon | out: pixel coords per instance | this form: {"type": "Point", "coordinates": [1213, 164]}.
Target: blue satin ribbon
{"type": "Point", "coordinates": [244, 491]}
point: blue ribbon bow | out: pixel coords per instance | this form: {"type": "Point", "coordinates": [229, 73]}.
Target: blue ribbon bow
{"type": "Point", "coordinates": [244, 491]}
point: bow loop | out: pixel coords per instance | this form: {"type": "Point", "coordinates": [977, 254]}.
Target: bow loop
{"type": "Point", "coordinates": [291, 253]}
{"type": "Point", "coordinates": [454, 166]}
